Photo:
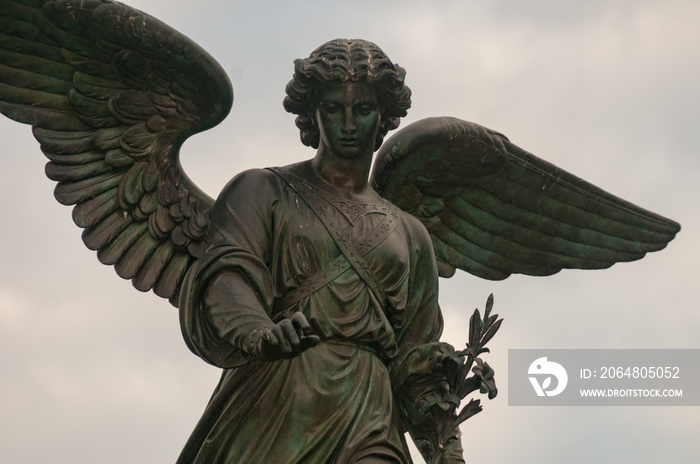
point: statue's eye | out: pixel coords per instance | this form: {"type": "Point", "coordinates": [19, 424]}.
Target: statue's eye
{"type": "Point", "coordinates": [364, 109]}
{"type": "Point", "coordinates": [331, 107]}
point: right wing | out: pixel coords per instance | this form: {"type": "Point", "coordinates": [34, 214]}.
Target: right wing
{"type": "Point", "coordinates": [112, 94]}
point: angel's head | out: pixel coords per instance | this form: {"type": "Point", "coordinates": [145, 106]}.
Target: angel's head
{"type": "Point", "coordinates": [343, 60]}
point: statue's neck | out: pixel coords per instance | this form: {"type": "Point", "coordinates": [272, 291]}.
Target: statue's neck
{"type": "Point", "coordinates": [349, 175]}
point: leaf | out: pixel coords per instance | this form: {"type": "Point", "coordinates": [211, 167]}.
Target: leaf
{"type": "Point", "coordinates": [472, 408]}
{"type": "Point", "coordinates": [489, 306]}
{"type": "Point", "coordinates": [491, 332]}
{"type": "Point", "coordinates": [474, 329]}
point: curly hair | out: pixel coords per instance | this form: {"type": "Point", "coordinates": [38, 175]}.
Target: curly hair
{"type": "Point", "coordinates": [346, 60]}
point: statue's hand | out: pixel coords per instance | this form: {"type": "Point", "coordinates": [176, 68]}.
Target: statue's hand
{"type": "Point", "coordinates": [452, 454]}
{"type": "Point", "coordinates": [287, 338]}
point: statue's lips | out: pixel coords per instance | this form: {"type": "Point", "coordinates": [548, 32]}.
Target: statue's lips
{"type": "Point", "coordinates": [348, 141]}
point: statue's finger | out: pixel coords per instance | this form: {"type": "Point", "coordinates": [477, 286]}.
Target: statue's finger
{"type": "Point", "coordinates": [269, 337]}
{"type": "Point", "coordinates": [300, 322]}
{"type": "Point", "coordinates": [281, 334]}
{"type": "Point", "coordinates": [289, 335]}
{"type": "Point", "coordinates": [309, 341]}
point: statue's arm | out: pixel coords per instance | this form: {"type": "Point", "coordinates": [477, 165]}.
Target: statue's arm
{"type": "Point", "coordinates": [417, 379]}
{"type": "Point", "coordinates": [226, 309]}
{"type": "Point", "coordinates": [423, 322]}
{"type": "Point", "coordinates": [232, 307]}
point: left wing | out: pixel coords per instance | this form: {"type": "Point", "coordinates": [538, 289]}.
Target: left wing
{"type": "Point", "coordinates": [493, 209]}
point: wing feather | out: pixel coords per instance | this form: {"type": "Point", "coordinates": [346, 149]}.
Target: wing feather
{"type": "Point", "coordinates": [98, 88]}
{"type": "Point", "coordinates": [19, 11]}
{"type": "Point", "coordinates": [105, 231]}
{"type": "Point", "coordinates": [92, 211]}
{"type": "Point", "coordinates": [93, 112]}
{"type": "Point", "coordinates": [48, 63]}
{"type": "Point", "coordinates": [71, 193]}
{"type": "Point", "coordinates": [170, 279]}
{"type": "Point", "coordinates": [525, 246]}
{"type": "Point", "coordinates": [108, 138]}
{"type": "Point", "coordinates": [132, 261]}
{"type": "Point", "coordinates": [583, 227]}
{"type": "Point", "coordinates": [63, 120]}
{"type": "Point", "coordinates": [466, 260]}
{"type": "Point", "coordinates": [67, 143]}
{"type": "Point", "coordinates": [148, 275]}
{"type": "Point", "coordinates": [76, 172]}
{"type": "Point", "coordinates": [113, 252]}
{"type": "Point", "coordinates": [74, 159]}
{"type": "Point", "coordinates": [31, 97]}
{"type": "Point", "coordinates": [14, 80]}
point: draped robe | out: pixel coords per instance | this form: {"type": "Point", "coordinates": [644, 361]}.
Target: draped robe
{"type": "Point", "coordinates": [332, 403]}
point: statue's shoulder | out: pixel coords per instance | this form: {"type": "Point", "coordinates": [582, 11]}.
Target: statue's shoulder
{"type": "Point", "coordinates": [252, 182]}
{"type": "Point", "coordinates": [416, 228]}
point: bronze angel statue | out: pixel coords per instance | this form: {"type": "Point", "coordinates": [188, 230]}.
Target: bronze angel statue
{"type": "Point", "coordinates": [314, 286]}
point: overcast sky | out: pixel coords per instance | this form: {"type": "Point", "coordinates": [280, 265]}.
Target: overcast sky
{"type": "Point", "coordinates": [92, 371]}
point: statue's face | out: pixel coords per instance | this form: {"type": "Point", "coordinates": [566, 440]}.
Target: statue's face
{"type": "Point", "coordinates": [348, 116]}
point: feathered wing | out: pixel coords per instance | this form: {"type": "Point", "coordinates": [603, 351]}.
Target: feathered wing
{"type": "Point", "coordinates": [493, 209]}
{"type": "Point", "coordinates": [112, 94]}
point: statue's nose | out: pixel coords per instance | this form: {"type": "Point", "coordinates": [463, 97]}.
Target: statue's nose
{"type": "Point", "coordinates": [348, 123]}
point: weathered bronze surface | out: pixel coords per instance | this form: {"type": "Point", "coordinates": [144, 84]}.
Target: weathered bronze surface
{"type": "Point", "coordinates": [305, 283]}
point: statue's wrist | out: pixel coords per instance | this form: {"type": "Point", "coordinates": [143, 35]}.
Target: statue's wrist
{"type": "Point", "coordinates": [253, 345]}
